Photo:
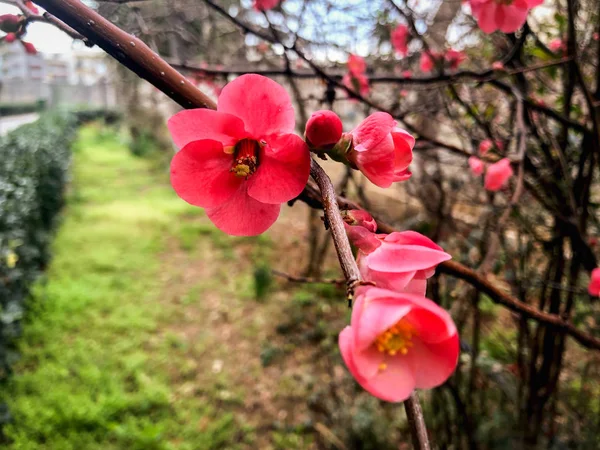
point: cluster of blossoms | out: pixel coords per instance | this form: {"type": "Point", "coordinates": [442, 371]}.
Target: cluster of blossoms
{"type": "Point", "coordinates": [496, 174]}
{"type": "Point", "coordinates": [242, 161]}
{"type": "Point", "coordinates": [398, 340]}
{"type": "Point", "coordinates": [14, 27]}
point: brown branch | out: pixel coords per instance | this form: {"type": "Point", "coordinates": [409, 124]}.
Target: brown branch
{"type": "Point", "coordinates": [416, 421]}
{"type": "Point", "coordinates": [310, 280]}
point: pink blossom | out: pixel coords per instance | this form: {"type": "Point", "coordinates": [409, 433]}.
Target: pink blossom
{"type": "Point", "coordinates": [403, 93]}
{"type": "Point", "coordinates": [29, 48]}
{"type": "Point", "coordinates": [358, 83]}
{"type": "Point", "coordinates": [594, 286]}
{"type": "Point", "coordinates": [398, 342]}
{"type": "Point", "coordinates": [485, 146]}
{"type": "Point", "coordinates": [498, 65]}
{"type": "Point", "coordinates": [10, 37]}
{"type": "Point", "coordinates": [427, 62]}
{"type": "Point", "coordinates": [399, 39]}
{"type": "Point", "coordinates": [323, 129]}
{"type": "Point", "coordinates": [556, 44]}
{"type": "Point", "coordinates": [401, 261]}
{"type": "Point", "coordinates": [498, 174]}
{"type": "Point", "coordinates": [454, 58]}
{"type": "Point", "coordinates": [241, 161]}
{"type": "Point", "coordinates": [356, 65]}
{"type": "Point", "coordinates": [476, 165]}
{"type": "Point", "coordinates": [264, 5]}
{"type": "Point", "coordinates": [360, 218]}
{"type": "Point", "coordinates": [407, 74]}
{"type": "Point", "coordinates": [381, 150]}
{"type": "Point", "coordinates": [506, 15]}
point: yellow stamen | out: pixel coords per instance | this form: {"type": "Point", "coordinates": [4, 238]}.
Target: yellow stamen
{"type": "Point", "coordinates": [396, 339]}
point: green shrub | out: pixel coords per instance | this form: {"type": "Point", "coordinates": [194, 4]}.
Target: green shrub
{"type": "Point", "coordinates": [34, 162]}
{"type": "Point", "coordinates": [13, 109]}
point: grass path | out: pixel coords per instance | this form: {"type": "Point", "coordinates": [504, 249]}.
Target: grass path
{"type": "Point", "coordinates": [145, 334]}
{"type": "Point", "coordinates": [96, 367]}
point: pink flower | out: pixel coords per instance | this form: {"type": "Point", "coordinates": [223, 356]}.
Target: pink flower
{"type": "Point", "coordinates": [360, 218]}
{"type": "Point", "coordinates": [485, 146]}
{"type": "Point", "coordinates": [399, 39]}
{"type": "Point", "coordinates": [241, 161]}
{"type": "Point", "coordinates": [397, 342]}
{"type": "Point", "coordinates": [498, 65]}
{"type": "Point", "coordinates": [356, 65]}
{"type": "Point", "coordinates": [10, 37]}
{"type": "Point", "coordinates": [400, 261]}
{"type": "Point", "coordinates": [407, 73]}
{"type": "Point", "coordinates": [506, 15]}
{"type": "Point", "coordinates": [476, 165]}
{"type": "Point", "coordinates": [556, 44]}
{"type": "Point", "coordinates": [454, 58]}
{"type": "Point", "coordinates": [498, 174]}
{"type": "Point", "coordinates": [264, 5]}
{"type": "Point", "coordinates": [29, 48]}
{"type": "Point", "coordinates": [594, 286]}
{"type": "Point", "coordinates": [427, 62]}
{"type": "Point", "coordinates": [381, 150]}
{"type": "Point", "coordinates": [403, 93]}
{"type": "Point", "coordinates": [323, 129]}
{"type": "Point", "coordinates": [358, 83]}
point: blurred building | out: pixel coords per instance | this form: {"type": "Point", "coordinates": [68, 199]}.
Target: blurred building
{"type": "Point", "coordinates": [78, 77]}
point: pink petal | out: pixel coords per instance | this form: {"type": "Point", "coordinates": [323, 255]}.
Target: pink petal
{"type": "Point", "coordinates": [284, 167]}
{"type": "Point", "coordinates": [594, 286]}
{"type": "Point", "coordinates": [404, 258]}
{"type": "Point", "coordinates": [371, 316]}
{"type": "Point", "coordinates": [403, 144]}
{"type": "Point", "coordinates": [487, 18]}
{"type": "Point", "coordinates": [377, 163]}
{"type": "Point", "coordinates": [371, 131]}
{"type": "Point", "coordinates": [433, 324]}
{"type": "Point", "coordinates": [411, 238]}
{"type": "Point", "coordinates": [498, 175]}
{"type": "Point", "coordinates": [362, 238]}
{"type": "Point", "coordinates": [434, 362]}
{"type": "Point", "coordinates": [397, 381]}
{"type": "Point", "coordinates": [197, 124]}
{"type": "Point", "coordinates": [395, 281]}
{"type": "Point", "coordinates": [263, 105]}
{"type": "Point", "coordinates": [510, 18]}
{"type": "Point", "coordinates": [367, 361]}
{"type": "Point", "coordinates": [476, 165]}
{"type": "Point", "coordinates": [417, 286]}
{"type": "Point", "coordinates": [241, 215]}
{"type": "Point", "coordinates": [200, 174]}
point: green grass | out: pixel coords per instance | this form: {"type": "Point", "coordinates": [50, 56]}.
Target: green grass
{"type": "Point", "coordinates": [96, 370]}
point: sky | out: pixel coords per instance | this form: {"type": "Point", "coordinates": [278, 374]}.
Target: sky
{"type": "Point", "coordinates": [45, 37]}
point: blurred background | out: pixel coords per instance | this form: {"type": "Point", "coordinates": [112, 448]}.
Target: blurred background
{"type": "Point", "coordinates": [128, 321]}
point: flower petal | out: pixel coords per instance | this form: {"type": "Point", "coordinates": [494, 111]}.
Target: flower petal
{"type": "Point", "coordinates": [200, 174]}
{"type": "Point", "coordinates": [263, 105]}
{"type": "Point", "coordinates": [397, 381]}
{"type": "Point", "coordinates": [433, 324]}
{"type": "Point", "coordinates": [372, 131]}
{"type": "Point", "coordinates": [284, 166]}
{"type": "Point", "coordinates": [391, 257]}
{"type": "Point", "coordinates": [241, 215]}
{"type": "Point", "coordinates": [197, 124]}
{"type": "Point", "coordinates": [434, 362]}
{"type": "Point", "coordinates": [377, 164]}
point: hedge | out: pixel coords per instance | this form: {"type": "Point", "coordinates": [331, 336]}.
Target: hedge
{"type": "Point", "coordinates": [34, 162]}
{"type": "Point", "coordinates": [12, 109]}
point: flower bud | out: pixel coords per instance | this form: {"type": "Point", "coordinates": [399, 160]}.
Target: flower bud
{"type": "Point", "coordinates": [9, 23]}
{"type": "Point", "coordinates": [10, 37]}
{"type": "Point", "coordinates": [29, 48]}
{"type": "Point", "coordinates": [323, 129]}
{"type": "Point", "coordinates": [358, 217]}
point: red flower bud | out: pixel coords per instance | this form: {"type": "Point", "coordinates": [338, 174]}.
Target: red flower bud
{"type": "Point", "coordinates": [323, 129]}
{"type": "Point", "coordinates": [9, 23]}
{"type": "Point", "coordinates": [29, 48]}
{"type": "Point", "coordinates": [10, 37]}
{"type": "Point", "coordinates": [32, 7]}
{"type": "Point", "coordinates": [361, 218]}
